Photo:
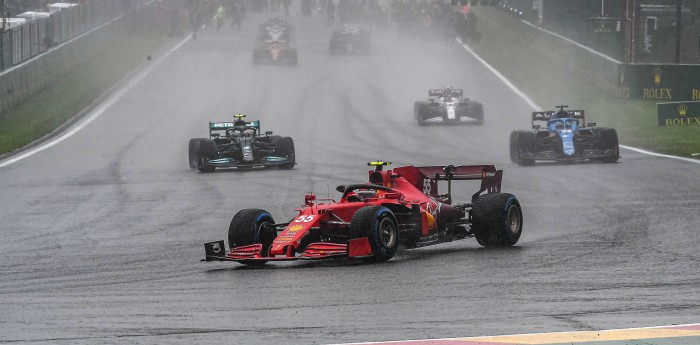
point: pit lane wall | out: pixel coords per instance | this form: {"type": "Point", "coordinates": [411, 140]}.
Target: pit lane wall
{"type": "Point", "coordinates": [44, 50]}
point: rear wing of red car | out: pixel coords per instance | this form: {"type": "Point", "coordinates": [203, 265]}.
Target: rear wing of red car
{"type": "Point", "coordinates": [426, 178]}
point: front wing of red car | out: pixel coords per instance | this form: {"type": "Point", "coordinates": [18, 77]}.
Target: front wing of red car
{"type": "Point", "coordinates": [356, 248]}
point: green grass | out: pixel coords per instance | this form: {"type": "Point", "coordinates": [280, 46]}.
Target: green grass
{"type": "Point", "coordinates": [526, 57]}
{"type": "Point", "coordinates": [51, 107]}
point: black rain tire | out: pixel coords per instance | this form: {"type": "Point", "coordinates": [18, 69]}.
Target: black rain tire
{"type": "Point", "coordinates": [476, 111]}
{"type": "Point", "coordinates": [527, 144]}
{"type": "Point", "coordinates": [192, 154]}
{"type": "Point", "coordinates": [608, 141]}
{"type": "Point", "coordinates": [420, 108]}
{"type": "Point", "coordinates": [378, 224]}
{"type": "Point", "coordinates": [284, 147]}
{"type": "Point", "coordinates": [514, 144]}
{"type": "Point", "coordinates": [248, 227]}
{"type": "Point", "coordinates": [497, 220]}
{"type": "Point", "coordinates": [522, 141]}
{"type": "Point", "coordinates": [199, 150]}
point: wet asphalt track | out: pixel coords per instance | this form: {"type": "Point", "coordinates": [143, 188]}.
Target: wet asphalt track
{"type": "Point", "coordinates": [102, 234]}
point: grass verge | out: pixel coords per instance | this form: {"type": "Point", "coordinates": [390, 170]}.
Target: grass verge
{"type": "Point", "coordinates": [54, 105]}
{"type": "Point", "coordinates": [549, 79]}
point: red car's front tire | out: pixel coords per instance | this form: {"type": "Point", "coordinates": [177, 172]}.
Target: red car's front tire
{"type": "Point", "coordinates": [379, 225]}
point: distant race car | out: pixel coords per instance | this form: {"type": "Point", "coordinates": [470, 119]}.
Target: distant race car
{"type": "Point", "coordinates": [350, 39]}
{"type": "Point", "coordinates": [275, 43]}
{"type": "Point", "coordinates": [566, 137]}
{"type": "Point", "coordinates": [370, 220]}
{"type": "Point", "coordinates": [240, 144]}
{"type": "Point", "coordinates": [448, 106]}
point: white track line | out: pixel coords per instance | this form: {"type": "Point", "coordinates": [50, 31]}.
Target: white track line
{"type": "Point", "coordinates": [536, 107]}
{"type": "Point", "coordinates": [691, 160]}
{"type": "Point", "coordinates": [500, 76]}
{"type": "Point", "coordinates": [95, 113]}
{"type": "Point", "coordinates": [573, 42]}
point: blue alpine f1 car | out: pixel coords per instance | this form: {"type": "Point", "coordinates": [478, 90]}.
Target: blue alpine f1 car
{"type": "Point", "coordinates": [566, 137]}
{"type": "Point", "coordinates": [240, 144]}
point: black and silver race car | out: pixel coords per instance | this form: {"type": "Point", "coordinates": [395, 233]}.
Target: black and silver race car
{"type": "Point", "coordinates": [240, 144]}
{"type": "Point", "coordinates": [448, 106]}
{"type": "Point", "coordinates": [566, 137]}
{"type": "Point", "coordinates": [350, 39]}
{"type": "Point", "coordinates": [275, 43]}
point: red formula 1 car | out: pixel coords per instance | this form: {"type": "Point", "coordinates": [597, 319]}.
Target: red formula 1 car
{"type": "Point", "coordinates": [398, 206]}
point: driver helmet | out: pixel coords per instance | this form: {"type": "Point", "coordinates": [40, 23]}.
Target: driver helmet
{"type": "Point", "coordinates": [366, 194]}
{"type": "Point", "coordinates": [239, 122]}
{"type": "Point", "coordinates": [561, 114]}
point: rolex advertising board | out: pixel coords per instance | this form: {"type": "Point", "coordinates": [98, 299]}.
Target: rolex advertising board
{"type": "Point", "coordinates": [679, 113]}
{"type": "Point", "coordinates": [660, 82]}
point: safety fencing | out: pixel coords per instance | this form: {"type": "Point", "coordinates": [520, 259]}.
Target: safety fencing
{"type": "Point", "coordinates": [48, 47]}
{"type": "Point", "coordinates": [33, 33]}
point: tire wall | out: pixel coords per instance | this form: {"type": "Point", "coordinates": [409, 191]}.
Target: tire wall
{"type": "Point", "coordinates": [19, 82]}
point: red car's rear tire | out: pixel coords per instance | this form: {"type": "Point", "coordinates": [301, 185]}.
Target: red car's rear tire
{"type": "Point", "coordinates": [497, 220]}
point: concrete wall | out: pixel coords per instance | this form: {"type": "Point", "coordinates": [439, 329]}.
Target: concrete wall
{"type": "Point", "coordinates": [20, 82]}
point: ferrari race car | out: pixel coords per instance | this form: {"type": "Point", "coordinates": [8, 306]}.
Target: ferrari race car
{"type": "Point", "coordinates": [448, 106]}
{"type": "Point", "coordinates": [350, 39]}
{"type": "Point", "coordinates": [370, 220]}
{"type": "Point", "coordinates": [275, 43]}
{"type": "Point", "coordinates": [240, 144]}
{"type": "Point", "coordinates": [566, 137]}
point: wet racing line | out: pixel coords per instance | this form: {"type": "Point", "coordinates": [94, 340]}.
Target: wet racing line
{"type": "Point", "coordinates": [664, 335]}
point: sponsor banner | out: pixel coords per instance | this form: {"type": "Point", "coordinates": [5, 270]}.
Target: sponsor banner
{"type": "Point", "coordinates": [659, 82]}
{"type": "Point", "coordinates": [674, 114]}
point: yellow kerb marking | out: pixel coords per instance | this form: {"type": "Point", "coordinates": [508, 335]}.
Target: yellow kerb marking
{"type": "Point", "coordinates": [579, 337]}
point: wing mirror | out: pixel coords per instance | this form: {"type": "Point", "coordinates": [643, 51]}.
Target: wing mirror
{"type": "Point", "coordinates": [536, 127]}
{"type": "Point", "coordinates": [341, 188]}
{"type": "Point", "coordinates": [268, 133]}
{"type": "Point", "coordinates": [215, 135]}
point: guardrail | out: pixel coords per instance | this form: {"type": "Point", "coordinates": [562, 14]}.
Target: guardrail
{"type": "Point", "coordinates": [44, 49]}
{"type": "Point", "coordinates": [33, 33]}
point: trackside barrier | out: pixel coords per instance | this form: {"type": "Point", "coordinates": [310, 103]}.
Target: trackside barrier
{"type": "Point", "coordinates": [42, 32]}
{"type": "Point", "coordinates": [664, 82]}
{"type": "Point", "coordinates": [42, 50]}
